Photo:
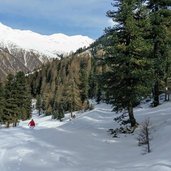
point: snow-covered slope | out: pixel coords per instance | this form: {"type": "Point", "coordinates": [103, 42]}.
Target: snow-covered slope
{"type": "Point", "coordinates": [49, 45]}
{"type": "Point", "coordinates": [84, 144]}
{"type": "Point", "coordinates": [24, 50]}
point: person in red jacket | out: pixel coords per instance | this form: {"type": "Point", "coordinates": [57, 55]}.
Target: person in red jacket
{"type": "Point", "coordinates": [32, 124]}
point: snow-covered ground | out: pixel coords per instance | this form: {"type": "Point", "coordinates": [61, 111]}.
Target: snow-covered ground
{"type": "Point", "coordinates": [83, 144]}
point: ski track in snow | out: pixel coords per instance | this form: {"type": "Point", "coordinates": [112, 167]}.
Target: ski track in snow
{"type": "Point", "coordinates": [83, 144]}
{"type": "Point", "coordinates": [2, 155]}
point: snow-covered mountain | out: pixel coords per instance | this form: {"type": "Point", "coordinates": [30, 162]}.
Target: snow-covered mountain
{"type": "Point", "coordinates": [28, 49]}
{"type": "Point", "coordinates": [48, 45]}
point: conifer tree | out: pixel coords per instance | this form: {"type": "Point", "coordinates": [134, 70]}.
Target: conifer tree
{"type": "Point", "coordinates": [127, 80]}
{"type": "Point", "coordinates": [92, 80]}
{"type": "Point", "coordinates": [99, 94]}
{"type": "Point", "coordinates": [17, 99]}
{"type": "Point", "coordinates": [58, 111]}
{"type": "Point", "coordinates": [92, 85]}
{"type": "Point", "coordinates": [39, 104]}
{"type": "Point", "coordinates": [160, 16]}
{"type": "Point", "coordinates": [23, 97]}
{"type": "Point", "coordinates": [84, 82]}
{"type": "Point", "coordinates": [168, 67]}
{"type": "Point", "coordinates": [11, 108]}
{"type": "Point", "coordinates": [72, 96]}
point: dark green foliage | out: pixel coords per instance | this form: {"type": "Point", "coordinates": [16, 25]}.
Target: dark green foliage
{"type": "Point", "coordinates": [160, 17]}
{"type": "Point", "coordinates": [132, 57]}
{"type": "Point", "coordinates": [84, 87]}
{"type": "Point", "coordinates": [92, 81]}
{"type": "Point", "coordinates": [17, 99]}
{"type": "Point", "coordinates": [58, 111]}
{"type": "Point", "coordinates": [11, 108]}
{"type": "Point", "coordinates": [23, 97]}
{"type": "Point", "coordinates": [128, 78]}
{"type": "Point", "coordinates": [58, 103]}
{"type": "Point", "coordinates": [99, 94]}
{"type": "Point", "coordinates": [39, 104]}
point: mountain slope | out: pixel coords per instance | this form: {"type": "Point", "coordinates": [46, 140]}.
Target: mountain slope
{"type": "Point", "coordinates": [25, 50]}
{"type": "Point", "coordinates": [49, 45]}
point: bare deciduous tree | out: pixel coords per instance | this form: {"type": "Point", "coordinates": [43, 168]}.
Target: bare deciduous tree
{"type": "Point", "coordinates": [144, 137]}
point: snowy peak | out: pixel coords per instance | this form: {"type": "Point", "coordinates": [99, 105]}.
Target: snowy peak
{"type": "Point", "coordinates": [24, 50]}
{"type": "Point", "coordinates": [49, 45]}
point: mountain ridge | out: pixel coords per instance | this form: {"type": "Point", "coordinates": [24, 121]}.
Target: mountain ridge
{"type": "Point", "coordinates": [24, 50]}
{"type": "Point", "coordinates": [49, 45]}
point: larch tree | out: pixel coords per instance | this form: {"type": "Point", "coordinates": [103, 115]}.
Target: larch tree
{"type": "Point", "coordinates": [72, 95]}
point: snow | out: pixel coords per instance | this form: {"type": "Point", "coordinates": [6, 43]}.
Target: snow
{"type": "Point", "coordinates": [83, 143]}
{"type": "Point", "coordinates": [49, 45]}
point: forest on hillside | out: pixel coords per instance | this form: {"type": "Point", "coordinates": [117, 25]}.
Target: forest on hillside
{"type": "Point", "coordinates": [130, 62]}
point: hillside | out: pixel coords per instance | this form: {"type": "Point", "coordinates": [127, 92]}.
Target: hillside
{"type": "Point", "coordinates": [24, 50]}
{"type": "Point", "coordinates": [84, 143]}
{"type": "Point", "coordinates": [48, 45]}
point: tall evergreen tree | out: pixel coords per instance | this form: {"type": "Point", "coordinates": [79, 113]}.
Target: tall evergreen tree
{"type": "Point", "coordinates": [99, 94]}
{"type": "Point", "coordinates": [11, 108]}
{"type": "Point", "coordinates": [58, 104]}
{"type": "Point", "coordinates": [23, 97]}
{"type": "Point", "coordinates": [39, 104]}
{"type": "Point", "coordinates": [84, 87]}
{"type": "Point", "coordinates": [160, 15]}
{"type": "Point", "coordinates": [168, 67]}
{"type": "Point", "coordinates": [17, 99]}
{"type": "Point", "coordinates": [92, 82]}
{"type": "Point", "coordinates": [127, 80]}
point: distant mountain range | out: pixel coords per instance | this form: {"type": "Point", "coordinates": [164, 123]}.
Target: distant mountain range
{"type": "Point", "coordinates": [25, 50]}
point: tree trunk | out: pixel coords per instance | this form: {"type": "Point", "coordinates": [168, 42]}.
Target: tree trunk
{"type": "Point", "coordinates": [7, 124]}
{"type": "Point", "coordinates": [156, 94]}
{"type": "Point", "coordinates": [14, 124]}
{"type": "Point", "coordinates": [166, 90]}
{"type": "Point", "coordinates": [166, 94]}
{"type": "Point", "coordinates": [131, 116]}
{"type": "Point", "coordinates": [71, 107]}
{"type": "Point", "coordinates": [39, 111]}
{"type": "Point", "coordinates": [147, 139]}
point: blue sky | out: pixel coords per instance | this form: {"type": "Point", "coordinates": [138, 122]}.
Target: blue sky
{"type": "Point", "coordinates": [71, 17]}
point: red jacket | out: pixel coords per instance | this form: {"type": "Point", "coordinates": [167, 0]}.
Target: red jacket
{"type": "Point", "coordinates": [32, 123]}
